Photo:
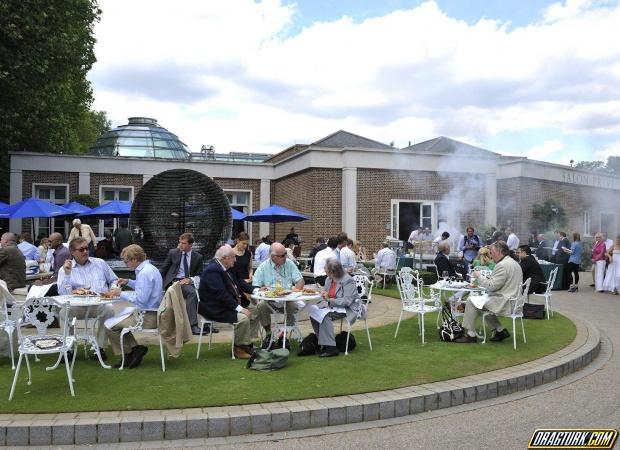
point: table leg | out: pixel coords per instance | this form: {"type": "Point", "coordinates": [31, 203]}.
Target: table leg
{"type": "Point", "coordinates": [284, 337]}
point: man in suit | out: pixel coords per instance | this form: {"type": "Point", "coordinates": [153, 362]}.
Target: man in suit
{"type": "Point", "coordinates": [180, 265]}
{"type": "Point", "coordinates": [542, 251]}
{"type": "Point", "coordinates": [502, 285]}
{"type": "Point", "coordinates": [222, 299]}
{"type": "Point", "coordinates": [561, 257]}
{"type": "Point", "coordinates": [442, 262]}
{"type": "Point", "coordinates": [12, 263]}
{"type": "Point", "coordinates": [531, 269]}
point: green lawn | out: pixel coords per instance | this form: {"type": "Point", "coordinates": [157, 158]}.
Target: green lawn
{"type": "Point", "coordinates": [217, 380]}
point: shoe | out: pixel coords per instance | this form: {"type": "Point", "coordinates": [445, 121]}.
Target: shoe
{"type": "Point", "coordinates": [104, 355]}
{"type": "Point", "coordinates": [128, 358]}
{"type": "Point", "coordinates": [138, 353]}
{"type": "Point", "coordinates": [240, 353]}
{"type": "Point", "coordinates": [592, 285]}
{"type": "Point", "coordinates": [499, 336]}
{"type": "Point", "coordinates": [572, 289]}
{"type": "Point", "coordinates": [249, 349]}
{"type": "Point", "coordinates": [208, 328]}
{"type": "Point", "coordinates": [329, 351]}
{"type": "Point", "coordinates": [197, 331]}
{"type": "Point", "coordinates": [466, 339]}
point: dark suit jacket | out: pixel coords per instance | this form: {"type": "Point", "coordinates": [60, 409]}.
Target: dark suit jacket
{"type": "Point", "coordinates": [531, 269]}
{"type": "Point", "coordinates": [561, 257]}
{"type": "Point", "coordinates": [12, 267]}
{"type": "Point", "coordinates": [542, 252]}
{"type": "Point", "coordinates": [171, 265]}
{"type": "Point", "coordinates": [443, 263]}
{"type": "Point", "coordinates": [217, 295]}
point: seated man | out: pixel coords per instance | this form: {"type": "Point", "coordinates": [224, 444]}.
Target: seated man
{"type": "Point", "coordinates": [278, 269]}
{"type": "Point", "coordinates": [262, 251]}
{"type": "Point", "coordinates": [442, 262]}
{"type": "Point", "coordinates": [321, 258]}
{"type": "Point", "coordinates": [222, 299]}
{"type": "Point", "coordinates": [503, 284]}
{"type": "Point", "coordinates": [386, 258]}
{"type": "Point", "coordinates": [27, 247]}
{"type": "Point", "coordinates": [531, 269]}
{"type": "Point", "coordinates": [87, 273]}
{"type": "Point", "coordinates": [147, 294]}
{"type": "Point", "coordinates": [12, 263]}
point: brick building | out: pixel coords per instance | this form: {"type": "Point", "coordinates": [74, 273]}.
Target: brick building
{"type": "Point", "coordinates": [342, 182]}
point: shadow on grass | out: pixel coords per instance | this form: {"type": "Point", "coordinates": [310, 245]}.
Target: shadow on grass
{"type": "Point", "coordinates": [216, 380]}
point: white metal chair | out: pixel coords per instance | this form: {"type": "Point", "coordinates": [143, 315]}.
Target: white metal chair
{"type": "Point", "coordinates": [364, 288]}
{"type": "Point", "coordinates": [202, 321]}
{"type": "Point", "coordinates": [40, 313]}
{"type": "Point", "coordinates": [384, 272]}
{"type": "Point", "coordinates": [7, 323]}
{"type": "Point", "coordinates": [139, 315]}
{"type": "Point", "coordinates": [547, 293]}
{"type": "Point", "coordinates": [413, 300]}
{"type": "Point", "coordinates": [516, 312]}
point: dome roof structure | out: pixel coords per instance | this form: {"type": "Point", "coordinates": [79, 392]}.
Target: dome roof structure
{"type": "Point", "coordinates": [142, 137]}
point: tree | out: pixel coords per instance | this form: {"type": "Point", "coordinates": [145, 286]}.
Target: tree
{"type": "Point", "coordinates": [547, 216]}
{"type": "Point", "coordinates": [86, 200]}
{"type": "Point", "coordinates": [46, 50]}
{"type": "Point", "coordinates": [611, 166]}
{"type": "Point", "coordinates": [591, 165]}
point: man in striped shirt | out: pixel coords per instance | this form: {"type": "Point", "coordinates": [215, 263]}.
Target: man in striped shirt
{"type": "Point", "coordinates": [92, 274]}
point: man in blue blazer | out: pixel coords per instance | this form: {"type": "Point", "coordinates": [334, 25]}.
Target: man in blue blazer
{"type": "Point", "coordinates": [222, 299]}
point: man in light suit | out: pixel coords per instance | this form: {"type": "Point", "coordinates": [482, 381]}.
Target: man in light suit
{"type": "Point", "coordinates": [180, 265]}
{"type": "Point", "coordinates": [501, 286]}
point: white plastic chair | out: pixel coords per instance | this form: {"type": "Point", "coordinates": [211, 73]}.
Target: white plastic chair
{"type": "Point", "coordinates": [547, 293]}
{"type": "Point", "coordinates": [202, 321]}
{"type": "Point", "coordinates": [139, 314]}
{"type": "Point", "coordinates": [516, 312]}
{"type": "Point", "coordinates": [39, 312]}
{"type": "Point", "coordinates": [413, 300]}
{"type": "Point", "coordinates": [6, 322]}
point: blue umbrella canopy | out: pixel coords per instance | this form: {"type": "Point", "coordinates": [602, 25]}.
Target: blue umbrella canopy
{"type": "Point", "coordinates": [115, 208]}
{"type": "Point", "coordinates": [76, 207]}
{"type": "Point", "coordinates": [276, 214]}
{"type": "Point", "coordinates": [237, 215]}
{"type": "Point", "coordinates": [33, 207]}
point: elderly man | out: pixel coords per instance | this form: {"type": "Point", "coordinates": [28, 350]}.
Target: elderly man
{"type": "Point", "coordinates": [501, 286]}
{"type": "Point", "coordinates": [443, 264]}
{"type": "Point", "coordinates": [12, 263]}
{"type": "Point", "coordinates": [92, 274]}
{"type": "Point", "coordinates": [542, 251]}
{"type": "Point", "coordinates": [146, 295]}
{"type": "Point", "coordinates": [222, 299]}
{"type": "Point", "coordinates": [180, 265]}
{"type": "Point", "coordinates": [278, 269]}
{"type": "Point", "coordinates": [27, 247]}
{"type": "Point", "coordinates": [84, 231]}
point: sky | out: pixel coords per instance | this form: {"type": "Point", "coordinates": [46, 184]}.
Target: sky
{"type": "Point", "coordinates": [530, 78]}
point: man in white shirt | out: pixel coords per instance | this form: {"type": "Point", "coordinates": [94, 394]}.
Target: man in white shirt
{"type": "Point", "coordinates": [386, 258]}
{"type": "Point", "coordinates": [415, 235]}
{"type": "Point", "coordinates": [91, 274]}
{"type": "Point", "coordinates": [513, 241]}
{"type": "Point", "coordinates": [347, 257]}
{"type": "Point", "coordinates": [84, 231]}
{"type": "Point", "coordinates": [262, 251]}
{"type": "Point", "coordinates": [321, 258]}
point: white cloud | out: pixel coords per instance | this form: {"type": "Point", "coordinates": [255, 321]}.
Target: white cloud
{"type": "Point", "coordinates": [612, 149]}
{"type": "Point", "coordinates": [545, 149]}
{"type": "Point", "coordinates": [227, 73]}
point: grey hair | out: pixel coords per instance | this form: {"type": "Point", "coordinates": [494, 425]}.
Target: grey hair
{"type": "Point", "coordinates": [222, 251]}
{"type": "Point", "coordinates": [9, 237]}
{"type": "Point", "coordinates": [443, 247]}
{"type": "Point", "coordinates": [75, 221]}
{"type": "Point", "coordinates": [333, 267]}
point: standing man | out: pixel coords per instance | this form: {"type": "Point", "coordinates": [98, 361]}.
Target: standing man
{"type": "Point", "coordinates": [469, 244]}
{"type": "Point", "coordinates": [122, 237]}
{"type": "Point", "coordinates": [320, 245]}
{"type": "Point", "coordinates": [86, 232]}
{"type": "Point", "coordinates": [12, 263]}
{"type": "Point", "coordinates": [92, 274]}
{"type": "Point", "coordinates": [180, 265]}
{"type": "Point", "coordinates": [60, 253]}
{"type": "Point", "coordinates": [501, 286]}
{"type": "Point", "coordinates": [222, 299]}
{"type": "Point", "coordinates": [512, 241]}
{"type": "Point", "coordinates": [341, 241]}
{"type": "Point", "coordinates": [414, 236]}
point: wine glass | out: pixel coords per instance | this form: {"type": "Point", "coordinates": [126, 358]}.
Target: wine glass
{"type": "Point", "coordinates": [445, 275]}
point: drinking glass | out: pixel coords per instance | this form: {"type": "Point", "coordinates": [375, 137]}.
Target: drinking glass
{"type": "Point", "coordinates": [445, 275]}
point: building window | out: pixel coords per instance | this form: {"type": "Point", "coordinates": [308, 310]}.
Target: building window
{"type": "Point", "coordinates": [108, 194]}
{"type": "Point", "coordinates": [240, 200]}
{"type": "Point", "coordinates": [587, 223]}
{"type": "Point", "coordinates": [609, 224]}
{"type": "Point", "coordinates": [53, 193]}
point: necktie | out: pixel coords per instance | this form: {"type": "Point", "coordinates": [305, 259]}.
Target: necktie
{"type": "Point", "coordinates": [234, 286]}
{"type": "Point", "coordinates": [186, 265]}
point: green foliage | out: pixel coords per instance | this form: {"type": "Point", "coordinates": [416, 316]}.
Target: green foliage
{"type": "Point", "coordinates": [547, 216]}
{"type": "Point", "coordinates": [611, 166]}
{"type": "Point", "coordinates": [591, 165]}
{"type": "Point", "coordinates": [86, 200]}
{"type": "Point", "coordinates": [46, 50]}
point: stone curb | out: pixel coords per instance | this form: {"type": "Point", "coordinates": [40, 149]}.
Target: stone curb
{"type": "Point", "coordinates": [114, 427]}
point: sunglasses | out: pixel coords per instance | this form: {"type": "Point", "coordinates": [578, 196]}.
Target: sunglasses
{"type": "Point", "coordinates": [81, 249]}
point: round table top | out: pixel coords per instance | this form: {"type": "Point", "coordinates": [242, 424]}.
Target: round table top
{"type": "Point", "coordinates": [293, 297]}
{"type": "Point", "coordinates": [85, 300]}
{"type": "Point", "coordinates": [456, 288]}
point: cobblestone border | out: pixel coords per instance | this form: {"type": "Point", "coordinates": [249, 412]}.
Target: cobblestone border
{"type": "Point", "coordinates": [155, 425]}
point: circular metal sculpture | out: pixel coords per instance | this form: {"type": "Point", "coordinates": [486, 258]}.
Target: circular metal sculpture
{"type": "Point", "coordinates": [175, 202]}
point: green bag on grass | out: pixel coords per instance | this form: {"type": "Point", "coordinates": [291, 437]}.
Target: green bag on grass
{"type": "Point", "coordinates": [268, 359]}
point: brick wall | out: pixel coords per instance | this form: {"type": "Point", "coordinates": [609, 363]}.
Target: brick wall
{"type": "Point", "coordinates": [376, 189]}
{"type": "Point", "coordinates": [114, 179]}
{"type": "Point", "coordinates": [316, 193]}
{"type": "Point", "coordinates": [254, 186]}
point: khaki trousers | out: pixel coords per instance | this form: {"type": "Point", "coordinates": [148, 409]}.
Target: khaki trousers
{"type": "Point", "coordinates": [246, 327]}
{"type": "Point", "coordinates": [102, 313]}
{"type": "Point", "coordinates": [265, 311]}
{"type": "Point", "coordinates": [471, 314]}
{"type": "Point", "coordinates": [129, 342]}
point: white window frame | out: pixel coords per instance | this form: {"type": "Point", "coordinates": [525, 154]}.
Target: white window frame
{"type": "Point", "coordinates": [249, 206]}
{"type": "Point", "coordinates": [114, 187]}
{"type": "Point", "coordinates": [587, 223]}
{"type": "Point", "coordinates": [51, 219]}
{"type": "Point", "coordinates": [395, 212]}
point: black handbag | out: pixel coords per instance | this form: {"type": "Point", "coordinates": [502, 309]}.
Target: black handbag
{"type": "Point", "coordinates": [533, 311]}
{"type": "Point", "coordinates": [450, 330]}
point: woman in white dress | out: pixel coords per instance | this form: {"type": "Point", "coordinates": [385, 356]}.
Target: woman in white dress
{"type": "Point", "coordinates": [612, 277]}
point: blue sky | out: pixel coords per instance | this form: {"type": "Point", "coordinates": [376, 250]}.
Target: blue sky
{"type": "Point", "coordinates": [534, 78]}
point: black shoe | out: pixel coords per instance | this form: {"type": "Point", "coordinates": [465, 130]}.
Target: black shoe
{"type": "Point", "coordinates": [128, 359]}
{"type": "Point", "coordinates": [104, 355]}
{"type": "Point", "coordinates": [138, 353]}
{"type": "Point", "coordinates": [197, 332]}
{"type": "Point", "coordinates": [329, 351]}
{"type": "Point", "coordinates": [206, 328]}
{"type": "Point", "coordinates": [466, 339]}
{"type": "Point", "coordinates": [499, 336]}
{"type": "Point", "coordinates": [249, 349]}
{"type": "Point", "coordinates": [592, 285]}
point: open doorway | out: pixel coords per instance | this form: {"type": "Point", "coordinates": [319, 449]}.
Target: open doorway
{"type": "Point", "coordinates": [407, 216]}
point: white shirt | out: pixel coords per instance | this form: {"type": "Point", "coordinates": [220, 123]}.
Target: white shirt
{"type": "Point", "coordinates": [261, 253]}
{"type": "Point", "coordinates": [386, 259]}
{"type": "Point", "coordinates": [181, 273]}
{"type": "Point", "coordinates": [95, 275]}
{"type": "Point", "coordinates": [347, 258]}
{"type": "Point", "coordinates": [512, 242]}
{"type": "Point", "coordinates": [414, 236]}
{"type": "Point", "coordinates": [609, 243]}
{"type": "Point", "coordinates": [320, 259]}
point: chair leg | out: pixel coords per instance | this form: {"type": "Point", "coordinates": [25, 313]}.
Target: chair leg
{"type": "Point", "coordinates": [368, 334]}
{"type": "Point", "coordinates": [161, 351]}
{"type": "Point", "coordinates": [69, 374]}
{"type": "Point", "coordinates": [210, 335]}
{"type": "Point", "coordinates": [346, 346]}
{"type": "Point", "coordinates": [10, 333]}
{"type": "Point", "coordinates": [523, 330]}
{"type": "Point", "coordinates": [199, 341]}
{"type": "Point", "coordinates": [232, 343]}
{"type": "Point", "coordinates": [514, 333]}
{"type": "Point", "coordinates": [19, 364]}
{"type": "Point", "coordinates": [484, 329]}
{"type": "Point", "coordinates": [122, 353]}
{"type": "Point", "coordinates": [421, 316]}
{"type": "Point", "coordinates": [29, 369]}
{"type": "Point", "coordinates": [399, 319]}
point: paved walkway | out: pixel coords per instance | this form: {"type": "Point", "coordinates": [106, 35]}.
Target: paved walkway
{"type": "Point", "coordinates": [463, 431]}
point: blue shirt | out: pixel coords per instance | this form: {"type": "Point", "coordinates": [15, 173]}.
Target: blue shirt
{"type": "Point", "coordinates": [147, 287]}
{"type": "Point", "coordinates": [262, 252]}
{"type": "Point", "coordinates": [576, 249]}
{"type": "Point", "coordinates": [267, 273]}
{"type": "Point", "coordinates": [28, 250]}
